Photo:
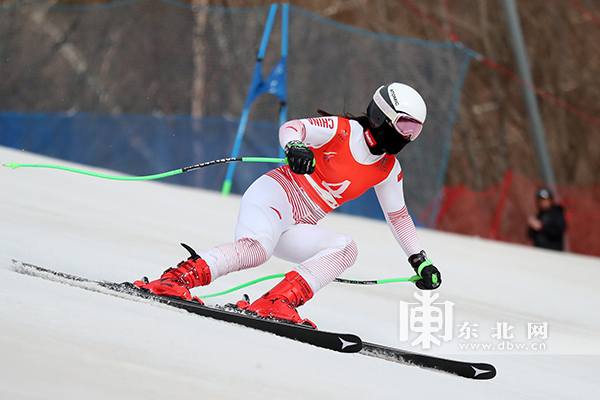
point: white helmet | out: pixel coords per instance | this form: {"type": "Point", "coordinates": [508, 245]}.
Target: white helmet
{"type": "Point", "coordinates": [401, 105]}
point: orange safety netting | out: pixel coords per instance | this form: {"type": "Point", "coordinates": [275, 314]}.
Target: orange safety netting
{"type": "Point", "coordinates": [501, 212]}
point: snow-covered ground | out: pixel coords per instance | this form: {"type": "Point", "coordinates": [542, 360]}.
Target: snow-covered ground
{"type": "Point", "coordinates": [62, 342]}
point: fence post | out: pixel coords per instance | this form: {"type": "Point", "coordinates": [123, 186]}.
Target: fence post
{"type": "Point", "coordinates": [529, 95]}
{"type": "Point", "coordinates": [274, 84]}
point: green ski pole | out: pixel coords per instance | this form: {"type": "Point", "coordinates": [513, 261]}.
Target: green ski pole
{"type": "Point", "coordinates": [15, 165]}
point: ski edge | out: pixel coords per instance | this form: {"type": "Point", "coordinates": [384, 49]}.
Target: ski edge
{"type": "Point", "coordinates": [465, 369]}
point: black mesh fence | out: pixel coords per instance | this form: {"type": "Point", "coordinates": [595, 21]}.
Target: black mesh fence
{"type": "Point", "coordinates": [151, 85]}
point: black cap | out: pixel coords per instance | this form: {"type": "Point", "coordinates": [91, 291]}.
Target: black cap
{"type": "Point", "coordinates": [544, 193]}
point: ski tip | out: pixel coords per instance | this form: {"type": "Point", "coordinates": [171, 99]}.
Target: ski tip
{"type": "Point", "coordinates": [483, 371]}
{"type": "Point", "coordinates": [350, 343]}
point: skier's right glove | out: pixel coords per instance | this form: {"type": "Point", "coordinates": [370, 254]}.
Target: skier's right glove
{"type": "Point", "coordinates": [300, 157]}
{"type": "Point", "coordinates": [428, 277]}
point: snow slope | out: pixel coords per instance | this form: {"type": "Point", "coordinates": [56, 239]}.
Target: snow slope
{"type": "Point", "coordinates": [62, 342]}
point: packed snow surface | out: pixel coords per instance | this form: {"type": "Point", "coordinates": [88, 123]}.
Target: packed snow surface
{"type": "Point", "coordinates": [63, 342]}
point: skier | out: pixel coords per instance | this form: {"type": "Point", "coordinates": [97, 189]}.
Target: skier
{"type": "Point", "coordinates": [330, 160]}
{"type": "Point", "coordinates": [546, 229]}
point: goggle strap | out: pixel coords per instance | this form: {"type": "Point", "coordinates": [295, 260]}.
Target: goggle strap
{"type": "Point", "coordinates": [384, 106]}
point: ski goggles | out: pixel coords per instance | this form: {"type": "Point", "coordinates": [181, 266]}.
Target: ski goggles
{"type": "Point", "coordinates": [406, 125]}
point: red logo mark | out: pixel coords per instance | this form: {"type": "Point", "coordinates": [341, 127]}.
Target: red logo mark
{"type": "Point", "coordinates": [369, 137]}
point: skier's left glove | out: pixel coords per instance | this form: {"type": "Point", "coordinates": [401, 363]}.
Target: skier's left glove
{"type": "Point", "coordinates": [300, 157]}
{"type": "Point", "coordinates": [428, 277]}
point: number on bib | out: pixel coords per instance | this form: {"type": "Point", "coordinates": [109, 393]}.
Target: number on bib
{"type": "Point", "coordinates": [336, 189]}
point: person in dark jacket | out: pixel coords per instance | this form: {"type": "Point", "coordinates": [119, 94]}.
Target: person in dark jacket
{"type": "Point", "coordinates": [548, 227]}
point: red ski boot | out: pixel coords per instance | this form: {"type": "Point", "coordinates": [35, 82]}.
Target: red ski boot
{"type": "Point", "coordinates": [281, 301]}
{"type": "Point", "coordinates": [177, 282]}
